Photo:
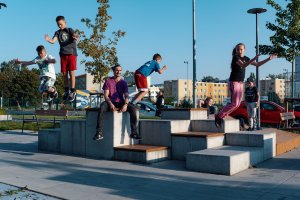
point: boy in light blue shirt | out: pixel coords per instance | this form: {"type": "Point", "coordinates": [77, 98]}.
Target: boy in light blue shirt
{"type": "Point", "coordinates": [141, 74]}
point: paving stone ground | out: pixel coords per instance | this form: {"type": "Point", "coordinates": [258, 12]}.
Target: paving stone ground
{"type": "Point", "coordinates": [72, 177]}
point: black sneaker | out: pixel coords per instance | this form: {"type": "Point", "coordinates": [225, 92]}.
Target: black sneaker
{"type": "Point", "coordinates": [249, 129]}
{"type": "Point", "coordinates": [98, 136]}
{"type": "Point", "coordinates": [218, 121]}
{"type": "Point", "coordinates": [72, 96]}
{"type": "Point", "coordinates": [66, 95]}
{"type": "Point", "coordinates": [135, 136]}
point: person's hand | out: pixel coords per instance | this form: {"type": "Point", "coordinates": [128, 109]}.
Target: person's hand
{"type": "Point", "coordinates": [165, 67]}
{"type": "Point", "coordinates": [112, 107]}
{"type": "Point", "coordinates": [46, 61]}
{"type": "Point", "coordinates": [47, 38]}
{"type": "Point", "coordinates": [272, 56]}
{"type": "Point", "coordinates": [257, 105]}
{"type": "Point", "coordinates": [124, 108]}
{"type": "Point", "coordinates": [17, 61]}
{"type": "Point", "coordinates": [76, 37]}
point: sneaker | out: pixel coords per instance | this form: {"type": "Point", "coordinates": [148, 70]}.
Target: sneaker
{"type": "Point", "coordinates": [98, 136]}
{"type": "Point", "coordinates": [135, 136]}
{"type": "Point", "coordinates": [218, 121]}
{"type": "Point", "coordinates": [72, 96]}
{"type": "Point", "coordinates": [55, 95]}
{"type": "Point", "coordinates": [49, 99]}
{"type": "Point", "coordinates": [249, 129]}
{"type": "Point", "coordinates": [66, 95]}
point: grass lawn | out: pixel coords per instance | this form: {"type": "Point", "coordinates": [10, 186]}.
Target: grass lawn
{"type": "Point", "coordinates": [9, 125]}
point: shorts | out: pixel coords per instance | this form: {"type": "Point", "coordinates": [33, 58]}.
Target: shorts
{"type": "Point", "coordinates": [140, 81]}
{"type": "Point", "coordinates": [46, 83]}
{"type": "Point", "coordinates": [68, 63]}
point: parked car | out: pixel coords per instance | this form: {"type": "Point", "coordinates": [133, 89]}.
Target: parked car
{"type": "Point", "coordinates": [146, 109]}
{"type": "Point", "coordinates": [297, 112]}
{"type": "Point", "coordinates": [269, 112]}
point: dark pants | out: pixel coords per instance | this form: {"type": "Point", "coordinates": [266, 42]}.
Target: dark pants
{"type": "Point", "coordinates": [104, 107]}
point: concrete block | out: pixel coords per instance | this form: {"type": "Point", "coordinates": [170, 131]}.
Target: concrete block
{"type": "Point", "coordinates": [218, 161]}
{"type": "Point", "coordinates": [116, 132]}
{"type": "Point", "coordinates": [208, 125]}
{"type": "Point", "coordinates": [72, 139]}
{"type": "Point", "coordinates": [5, 117]}
{"type": "Point", "coordinates": [49, 140]}
{"type": "Point", "coordinates": [158, 132]}
{"type": "Point", "coordinates": [145, 154]}
{"type": "Point", "coordinates": [184, 114]}
{"type": "Point", "coordinates": [264, 139]}
{"type": "Point", "coordinates": [183, 144]}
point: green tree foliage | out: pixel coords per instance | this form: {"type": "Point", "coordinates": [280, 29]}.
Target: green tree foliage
{"type": "Point", "coordinates": [252, 76]}
{"type": "Point", "coordinates": [274, 76]}
{"type": "Point", "coordinates": [99, 49]}
{"type": "Point", "coordinates": [273, 96]}
{"type": "Point", "coordinates": [210, 79]}
{"type": "Point", "coordinates": [285, 41]}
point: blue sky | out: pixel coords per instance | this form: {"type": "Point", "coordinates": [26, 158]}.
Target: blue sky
{"type": "Point", "coordinates": [152, 26]}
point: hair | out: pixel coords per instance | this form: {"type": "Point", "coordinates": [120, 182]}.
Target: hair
{"type": "Point", "coordinates": [40, 48]}
{"type": "Point", "coordinates": [58, 18]}
{"type": "Point", "coordinates": [156, 56]}
{"type": "Point", "coordinates": [115, 66]}
{"type": "Point", "coordinates": [236, 46]}
{"type": "Point", "coordinates": [205, 105]}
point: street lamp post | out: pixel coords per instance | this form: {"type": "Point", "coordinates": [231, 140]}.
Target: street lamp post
{"type": "Point", "coordinates": [187, 78]}
{"type": "Point", "coordinates": [194, 54]}
{"type": "Point", "coordinates": [286, 84]}
{"type": "Point", "coordinates": [257, 11]}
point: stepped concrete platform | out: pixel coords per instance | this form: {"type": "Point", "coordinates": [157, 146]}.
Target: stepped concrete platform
{"type": "Point", "coordinates": [226, 160]}
{"type": "Point", "coordinates": [141, 153]}
{"type": "Point", "coordinates": [184, 113]}
{"type": "Point", "coordinates": [208, 125]}
{"type": "Point", "coordinates": [75, 136]}
{"type": "Point", "coordinates": [158, 132]}
{"type": "Point", "coordinates": [185, 142]}
{"type": "Point", "coordinates": [49, 140]}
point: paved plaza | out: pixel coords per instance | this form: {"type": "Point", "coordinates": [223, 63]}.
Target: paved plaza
{"type": "Point", "coordinates": [72, 177]}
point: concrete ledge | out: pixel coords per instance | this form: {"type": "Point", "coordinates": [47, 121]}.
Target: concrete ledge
{"type": "Point", "coordinates": [208, 125]}
{"type": "Point", "coordinates": [5, 117]}
{"type": "Point", "coordinates": [49, 140]}
{"type": "Point", "coordinates": [158, 132]}
{"type": "Point", "coordinates": [141, 153]}
{"type": "Point", "coordinates": [184, 114]}
{"type": "Point", "coordinates": [225, 160]}
{"type": "Point", "coordinates": [183, 143]}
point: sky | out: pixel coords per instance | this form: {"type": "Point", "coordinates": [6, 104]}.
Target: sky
{"type": "Point", "coordinates": [151, 26]}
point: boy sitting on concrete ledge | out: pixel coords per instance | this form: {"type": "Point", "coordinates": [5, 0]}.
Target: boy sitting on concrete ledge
{"type": "Point", "coordinates": [116, 99]}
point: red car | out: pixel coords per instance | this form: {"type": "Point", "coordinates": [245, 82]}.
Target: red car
{"type": "Point", "coordinates": [269, 112]}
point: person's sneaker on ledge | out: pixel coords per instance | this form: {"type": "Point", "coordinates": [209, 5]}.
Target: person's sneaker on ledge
{"type": "Point", "coordinates": [135, 136]}
{"type": "Point", "coordinates": [66, 95]}
{"type": "Point", "coordinates": [98, 136]}
{"type": "Point", "coordinates": [218, 121]}
{"type": "Point", "coordinates": [72, 96]}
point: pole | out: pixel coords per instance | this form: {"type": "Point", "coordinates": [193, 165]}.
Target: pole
{"type": "Point", "coordinates": [293, 71]}
{"type": "Point", "coordinates": [194, 56]}
{"type": "Point", "coordinates": [257, 75]}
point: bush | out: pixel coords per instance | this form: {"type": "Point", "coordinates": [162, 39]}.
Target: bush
{"type": "Point", "coordinates": [2, 112]}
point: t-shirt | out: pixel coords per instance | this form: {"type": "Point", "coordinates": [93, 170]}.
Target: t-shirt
{"type": "Point", "coordinates": [237, 72]}
{"type": "Point", "coordinates": [116, 89]}
{"type": "Point", "coordinates": [66, 41]}
{"type": "Point", "coordinates": [251, 94]}
{"type": "Point", "coordinates": [149, 67]}
{"type": "Point", "coordinates": [46, 69]}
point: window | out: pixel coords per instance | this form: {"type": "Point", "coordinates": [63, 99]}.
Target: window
{"type": "Point", "coordinates": [267, 106]}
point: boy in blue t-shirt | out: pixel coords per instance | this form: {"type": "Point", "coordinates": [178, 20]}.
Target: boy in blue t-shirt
{"type": "Point", "coordinates": [141, 74]}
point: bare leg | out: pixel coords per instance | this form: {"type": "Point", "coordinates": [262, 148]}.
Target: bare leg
{"type": "Point", "coordinates": [139, 96]}
{"type": "Point", "coordinates": [66, 79]}
{"type": "Point", "coordinates": [72, 78]}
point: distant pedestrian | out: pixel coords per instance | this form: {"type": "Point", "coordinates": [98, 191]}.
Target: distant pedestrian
{"type": "Point", "coordinates": [160, 101]}
{"type": "Point", "coordinates": [252, 99]}
{"type": "Point", "coordinates": [236, 80]}
{"type": "Point", "coordinates": [209, 105]}
{"type": "Point", "coordinates": [141, 74]}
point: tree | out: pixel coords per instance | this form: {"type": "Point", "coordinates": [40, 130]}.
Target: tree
{"type": "Point", "coordinates": [274, 76]}
{"type": "Point", "coordinates": [97, 47]}
{"type": "Point", "coordinates": [252, 76]}
{"type": "Point", "coordinates": [210, 79]}
{"type": "Point", "coordinates": [286, 28]}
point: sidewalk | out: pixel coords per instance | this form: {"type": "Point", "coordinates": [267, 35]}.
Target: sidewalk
{"type": "Point", "coordinates": [79, 178]}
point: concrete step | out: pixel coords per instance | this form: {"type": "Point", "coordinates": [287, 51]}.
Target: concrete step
{"type": "Point", "coordinates": [185, 142]}
{"type": "Point", "coordinates": [158, 132]}
{"type": "Point", "coordinates": [261, 138]}
{"type": "Point", "coordinates": [49, 140]}
{"type": "Point", "coordinates": [208, 125]}
{"type": "Point", "coordinates": [226, 160]}
{"type": "Point", "coordinates": [141, 153]}
{"type": "Point", "coordinates": [184, 113]}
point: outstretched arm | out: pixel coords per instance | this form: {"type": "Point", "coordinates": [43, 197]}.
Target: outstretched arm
{"type": "Point", "coordinates": [24, 62]}
{"type": "Point", "coordinates": [246, 64]}
{"type": "Point", "coordinates": [48, 39]}
{"type": "Point", "coordinates": [258, 64]}
{"type": "Point", "coordinates": [160, 71]}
